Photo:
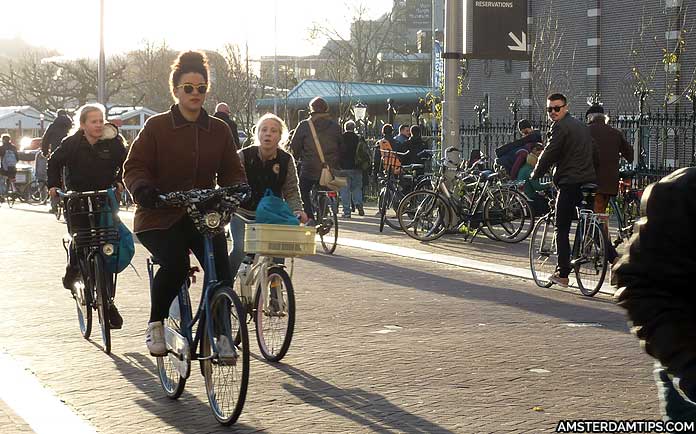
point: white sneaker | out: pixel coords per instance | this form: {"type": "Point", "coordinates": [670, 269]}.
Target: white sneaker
{"type": "Point", "coordinates": [226, 351]}
{"type": "Point", "coordinates": [154, 339]}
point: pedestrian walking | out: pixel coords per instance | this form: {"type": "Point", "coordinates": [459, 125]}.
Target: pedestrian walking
{"type": "Point", "coordinates": [304, 149]}
{"type": "Point", "coordinates": [349, 154]}
{"type": "Point", "coordinates": [611, 146]}
{"type": "Point", "coordinates": [222, 112]}
{"type": "Point", "coordinates": [572, 150]}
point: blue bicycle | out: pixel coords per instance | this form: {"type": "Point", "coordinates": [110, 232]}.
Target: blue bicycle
{"type": "Point", "coordinates": [221, 339]}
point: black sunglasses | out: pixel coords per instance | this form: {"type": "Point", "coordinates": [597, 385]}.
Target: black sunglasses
{"type": "Point", "coordinates": [188, 88]}
{"type": "Point", "coordinates": [551, 109]}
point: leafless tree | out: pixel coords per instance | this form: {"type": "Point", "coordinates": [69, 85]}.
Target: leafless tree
{"type": "Point", "coordinates": [148, 73]}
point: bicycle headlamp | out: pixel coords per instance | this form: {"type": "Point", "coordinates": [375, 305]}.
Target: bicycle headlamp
{"type": "Point", "coordinates": [108, 249]}
{"type": "Point", "coordinates": [212, 220]}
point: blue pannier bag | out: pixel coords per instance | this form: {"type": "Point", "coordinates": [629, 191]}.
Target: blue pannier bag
{"type": "Point", "coordinates": [125, 250]}
{"type": "Point", "coordinates": [275, 211]}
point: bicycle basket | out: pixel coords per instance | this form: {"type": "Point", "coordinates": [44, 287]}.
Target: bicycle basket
{"type": "Point", "coordinates": [279, 240]}
{"type": "Point", "coordinates": [90, 220]}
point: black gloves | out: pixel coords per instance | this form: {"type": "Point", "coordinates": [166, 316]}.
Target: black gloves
{"type": "Point", "coordinates": [146, 196]}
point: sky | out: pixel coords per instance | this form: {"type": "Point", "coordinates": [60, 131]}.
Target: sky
{"type": "Point", "coordinates": [72, 26]}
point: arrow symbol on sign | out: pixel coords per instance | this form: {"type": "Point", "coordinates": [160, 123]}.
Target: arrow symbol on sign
{"type": "Point", "coordinates": [521, 44]}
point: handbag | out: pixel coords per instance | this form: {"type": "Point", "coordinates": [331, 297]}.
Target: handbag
{"type": "Point", "coordinates": [125, 250]}
{"type": "Point", "coordinates": [327, 178]}
{"type": "Point", "coordinates": [274, 210]}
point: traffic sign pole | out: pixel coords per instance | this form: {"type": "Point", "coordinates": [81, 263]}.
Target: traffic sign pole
{"type": "Point", "coordinates": [450, 102]}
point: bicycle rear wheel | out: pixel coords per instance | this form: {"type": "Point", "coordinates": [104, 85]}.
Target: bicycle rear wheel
{"type": "Point", "coordinates": [508, 216]}
{"type": "Point", "coordinates": [590, 263]}
{"type": "Point", "coordinates": [226, 376]}
{"type": "Point", "coordinates": [542, 252]}
{"type": "Point", "coordinates": [168, 367]}
{"type": "Point", "coordinates": [422, 215]}
{"type": "Point", "coordinates": [275, 315]}
{"type": "Point", "coordinates": [389, 201]}
{"type": "Point", "coordinates": [327, 225]}
{"type": "Point", "coordinates": [102, 283]}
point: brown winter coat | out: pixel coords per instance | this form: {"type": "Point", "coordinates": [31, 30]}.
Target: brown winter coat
{"type": "Point", "coordinates": [610, 142]}
{"type": "Point", "coordinates": [173, 154]}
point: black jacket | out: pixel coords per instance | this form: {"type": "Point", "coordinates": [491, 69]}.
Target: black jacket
{"type": "Point", "coordinates": [230, 123]}
{"type": "Point", "coordinates": [88, 167]}
{"type": "Point", "coordinates": [657, 275]}
{"type": "Point", "coordinates": [55, 133]}
{"type": "Point", "coordinates": [414, 145]}
{"type": "Point", "coordinates": [348, 148]}
{"type": "Point", "coordinates": [303, 148]}
{"type": "Point", "coordinates": [571, 148]}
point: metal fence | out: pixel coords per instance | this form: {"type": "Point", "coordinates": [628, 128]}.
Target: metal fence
{"type": "Point", "coordinates": [663, 142]}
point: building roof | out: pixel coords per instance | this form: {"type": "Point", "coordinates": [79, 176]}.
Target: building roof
{"type": "Point", "coordinates": [332, 92]}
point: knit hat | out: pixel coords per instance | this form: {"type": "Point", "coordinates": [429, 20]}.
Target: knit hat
{"type": "Point", "coordinates": [594, 108]}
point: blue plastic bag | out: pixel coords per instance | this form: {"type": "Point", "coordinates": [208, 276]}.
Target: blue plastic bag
{"type": "Point", "coordinates": [126, 246]}
{"type": "Point", "coordinates": [275, 211]}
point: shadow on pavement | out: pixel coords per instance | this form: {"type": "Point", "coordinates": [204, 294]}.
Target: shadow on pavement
{"type": "Point", "coordinates": [369, 409]}
{"type": "Point", "coordinates": [394, 274]}
{"type": "Point", "coordinates": [188, 414]}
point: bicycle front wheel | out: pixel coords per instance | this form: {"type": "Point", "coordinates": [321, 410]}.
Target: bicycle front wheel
{"type": "Point", "coordinates": [83, 304]}
{"type": "Point", "coordinates": [275, 315]}
{"type": "Point", "coordinates": [169, 367]}
{"type": "Point", "coordinates": [327, 225]}
{"type": "Point", "coordinates": [590, 261]}
{"type": "Point", "coordinates": [508, 216]}
{"type": "Point", "coordinates": [542, 252]}
{"type": "Point", "coordinates": [422, 215]}
{"type": "Point", "coordinates": [226, 371]}
{"type": "Point", "coordinates": [102, 283]}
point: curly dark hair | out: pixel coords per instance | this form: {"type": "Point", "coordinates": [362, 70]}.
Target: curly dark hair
{"type": "Point", "coordinates": [188, 61]}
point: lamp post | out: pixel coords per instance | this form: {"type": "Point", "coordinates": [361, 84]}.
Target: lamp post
{"type": "Point", "coordinates": [101, 67]}
{"type": "Point", "coordinates": [360, 112]}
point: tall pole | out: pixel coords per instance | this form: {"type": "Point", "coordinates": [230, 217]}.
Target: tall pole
{"type": "Point", "coordinates": [452, 54]}
{"type": "Point", "coordinates": [101, 67]}
{"type": "Point", "coordinates": [275, 57]}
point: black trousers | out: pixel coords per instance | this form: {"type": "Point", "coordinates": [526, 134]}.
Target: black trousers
{"type": "Point", "coordinates": [306, 185]}
{"type": "Point", "coordinates": [171, 248]}
{"type": "Point", "coordinates": [569, 196]}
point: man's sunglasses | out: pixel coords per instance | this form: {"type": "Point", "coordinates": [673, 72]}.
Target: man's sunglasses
{"type": "Point", "coordinates": [548, 109]}
{"type": "Point", "coordinates": [188, 88]}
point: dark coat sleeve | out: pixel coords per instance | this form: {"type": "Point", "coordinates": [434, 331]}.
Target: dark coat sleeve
{"type": "Point", "coordinates": [552, 152]}
{"type": "Point", "coordinates": [47, 139]}
{"type": "Point", "coordinates": [56, 162]}
{"type": "Point", "coordinates": [656, 276]}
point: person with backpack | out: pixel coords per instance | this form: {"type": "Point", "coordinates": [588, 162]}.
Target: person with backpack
{"type": "Point", "coordinates": [513, 155]}
{"type": "Point", "coordinates": [8, 160]}
{"type": "Point", "coordinates": [349, 163]}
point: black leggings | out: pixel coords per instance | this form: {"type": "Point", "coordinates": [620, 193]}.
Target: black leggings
{"type": "Point", "coordinates": [171, 248]}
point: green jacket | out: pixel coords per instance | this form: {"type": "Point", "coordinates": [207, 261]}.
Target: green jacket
{"type": "Point", "coordinates": [531, 186]}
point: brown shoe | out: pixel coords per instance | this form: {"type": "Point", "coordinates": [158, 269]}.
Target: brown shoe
{"type": "Point", "coordinates": [558, 280]}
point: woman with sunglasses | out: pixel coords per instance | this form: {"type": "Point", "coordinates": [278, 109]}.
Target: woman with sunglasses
{"type": "Point", "coordinates": [181, 149]}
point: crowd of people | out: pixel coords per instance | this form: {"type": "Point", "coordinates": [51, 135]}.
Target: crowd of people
{"type": "Point", "coordinates": [186, 148]}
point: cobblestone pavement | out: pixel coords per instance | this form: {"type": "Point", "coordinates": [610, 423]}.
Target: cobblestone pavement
{"type": "Point", "coordinates": [382, 344]}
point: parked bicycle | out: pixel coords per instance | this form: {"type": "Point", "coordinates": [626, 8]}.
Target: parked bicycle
{"type": "Point", "coordinates": [90, 218]}
{"type": "Point", "coordinates": [265, 285]}
{"type": "Point", "coordinates": [589, 252]}
{"type": "Point", "coordinates": [325, 204]}
{"type": "Point", "coordinates": [221, 339]}
{"type": "Point", "coordinates": [478, 201]}
{"type": "Point", "coordinates": [625, 207]}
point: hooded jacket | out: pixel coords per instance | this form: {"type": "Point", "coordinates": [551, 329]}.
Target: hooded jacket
{"type": "Point", "coordinates": [304, 149]}
{"type": "Point", "coordinates": [88, 167]}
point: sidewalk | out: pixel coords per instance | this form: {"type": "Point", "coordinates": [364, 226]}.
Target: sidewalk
{"type": "Point", "coordinates": [482, 254]}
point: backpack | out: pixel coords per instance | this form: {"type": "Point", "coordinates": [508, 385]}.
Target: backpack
{"type": "Point", "coordinates": [362, 155]}
{"type": "Point", "coordinates": [9, 160]}
{"type": "Point", "coordinates": [389, 161]}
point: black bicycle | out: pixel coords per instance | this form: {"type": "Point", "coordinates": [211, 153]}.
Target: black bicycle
{"type": "Point", "coordinates": [325, 204]}
{"type": "Point", "coordinates": [91, 217]}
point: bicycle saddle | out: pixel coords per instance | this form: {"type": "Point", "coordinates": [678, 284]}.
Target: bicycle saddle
{"type": "Point", "coordinates": [588, 188]}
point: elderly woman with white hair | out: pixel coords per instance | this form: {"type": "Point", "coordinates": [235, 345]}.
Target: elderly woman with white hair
{"type": "Point", "coordinates": [267, 166]}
